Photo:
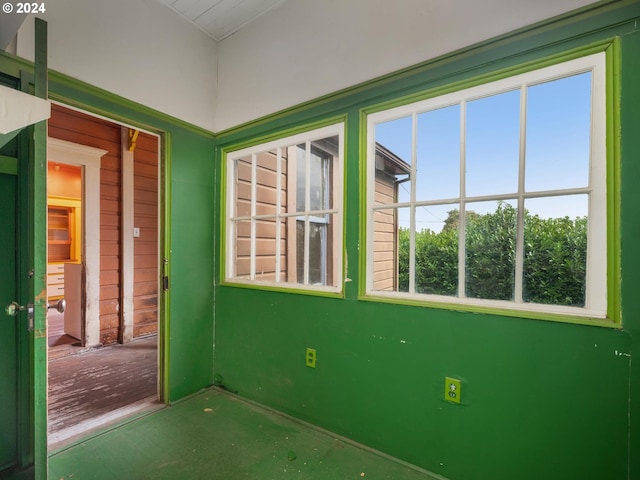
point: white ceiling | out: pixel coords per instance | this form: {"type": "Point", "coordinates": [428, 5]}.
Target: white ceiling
{"type": "Point", "coordinates": [221, 18]}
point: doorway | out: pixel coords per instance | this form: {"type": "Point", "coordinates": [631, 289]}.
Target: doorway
{"type": "Point", "coordinates": [103, 259]}
{"type": "Point", "coordinates": [65, 240]}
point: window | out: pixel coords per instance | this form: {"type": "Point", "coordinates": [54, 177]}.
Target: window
{"type": "Point", "coordinates": [284, 210]}
{"type": "Point", "coordinates": [494, 195]}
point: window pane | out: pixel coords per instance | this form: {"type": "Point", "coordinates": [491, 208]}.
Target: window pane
{"type": "Point", "coordinates": [265, 250]}
{"type": "Point", "coordinates": [323, 151]}
{"type": "Point", "coordinates": [393, 151]}
{"type": "Point", "coordinates": [492, 144]}
{"type": "Point", "coordinates": [558, 133]}
{"type": "Point", "coordinates": [243, 187]}
{"type": "Point", "coordinates": [319, 253]}
{"type": "Point", "coordinates": [438, 162]}
{"type": "Point", "coordinates": [266, 183]}
{"type": "Point", "coordinates": [555, 250]}
{"type": "Point", "coordinates": [403, 246]}
{"type": "Point", "coordinates": [318, 161]}
{"type": "Point", "coordinates": [437, 249]}
{"type": "Point", "coordinates": [242, 260]}
{"type": "Point", "coordinates": [385, 249]}
{"type": "Point", "coordinates": [301, 177]}
{"type": "Point", "coordinates": [490, 242]}
{"type": "Point", "coordinates": [318, 194]}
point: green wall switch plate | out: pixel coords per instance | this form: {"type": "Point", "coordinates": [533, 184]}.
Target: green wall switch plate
{"type": "Point", "coordinates": [452, 389]}
{"type": "Point", "coordinates": [311, 358]}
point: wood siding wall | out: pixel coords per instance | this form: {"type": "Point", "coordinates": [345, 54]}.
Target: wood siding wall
{"type": "Point", "coordinates": [77, 127]}
{"type": "Point", "coordinates": [146, 263]}
{"type": "Point", "coordinates": [266, 198]}
{"type": "Point", "coordinates": [83, 129]}
{"type": "Point", "coordinates": [385, 235]}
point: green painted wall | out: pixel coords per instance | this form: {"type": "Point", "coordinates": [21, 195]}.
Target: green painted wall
{"type": "Point", "coordinates": [540, 399]}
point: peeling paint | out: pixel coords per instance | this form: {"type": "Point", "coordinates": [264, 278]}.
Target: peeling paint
{"type": "Point", "coordinates": [620, 354]}
{"type": "Point", "coordinates": [42, 296]}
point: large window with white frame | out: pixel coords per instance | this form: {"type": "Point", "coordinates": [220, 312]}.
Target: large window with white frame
{"type": "Point", "coordinates": [284, 211]}
{"type": "Point", "coordinates": [494, 195]}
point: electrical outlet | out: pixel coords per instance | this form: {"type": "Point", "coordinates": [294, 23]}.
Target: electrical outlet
{"type": "Point", "coordinates": [452, 390]}
{"type": "Point", "coordinates": [311, 358]}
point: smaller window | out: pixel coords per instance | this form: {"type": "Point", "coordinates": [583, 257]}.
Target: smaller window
{"type": "Point", "coordinates": [284, 211]}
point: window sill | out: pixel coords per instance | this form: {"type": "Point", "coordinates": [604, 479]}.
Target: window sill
{"type": "Point", "coordinates": [318, 291]}
{"type": "Point", "coordinates": [574, 315]}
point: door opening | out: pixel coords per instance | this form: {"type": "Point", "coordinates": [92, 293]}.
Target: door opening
{"type": "Point", "coordinates": [103, 350]}
{"type": "Point", "coordinates": [64, 253]}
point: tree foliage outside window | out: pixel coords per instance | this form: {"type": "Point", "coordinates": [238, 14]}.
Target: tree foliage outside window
{"type": "Point", "coordinates": [554, 265]}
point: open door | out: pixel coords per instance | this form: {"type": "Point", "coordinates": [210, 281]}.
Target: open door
{"type": "Point", "coordinates": [10, 327]}
{"type": "Point", "coordinates": [23, 442]}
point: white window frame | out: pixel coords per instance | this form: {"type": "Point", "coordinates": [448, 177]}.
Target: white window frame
{"type": "Point", "coordinates": [596, 276]}
{"type": "Point", "coordinates": [291, 216]}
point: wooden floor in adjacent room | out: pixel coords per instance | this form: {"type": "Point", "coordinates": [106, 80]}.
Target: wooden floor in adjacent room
{"type": "Point", "coordinates": [94, 388]}
{"type": "Point", "coordinates": [216, 436]}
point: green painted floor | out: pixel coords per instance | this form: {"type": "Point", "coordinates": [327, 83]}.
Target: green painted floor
{"type": "Point", "coordinates": [213, 435]}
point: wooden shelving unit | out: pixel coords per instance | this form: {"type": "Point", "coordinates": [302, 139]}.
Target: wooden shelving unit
{"type": "Point", "coordinates": [64, 241]}
{"type": "Point", "coordinates": [60, 236]}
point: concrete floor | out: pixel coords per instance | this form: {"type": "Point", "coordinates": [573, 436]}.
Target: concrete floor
{"type": "Point", "coordinates": [215, 435]}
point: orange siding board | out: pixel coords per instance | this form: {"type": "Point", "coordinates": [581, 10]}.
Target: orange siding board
{"type": "Point", "coordinates": [145, 209]}
{"type": "Point", "coordinates": [145, 288]}
{"type": "Point", "coordinates": [146, 170]}
{"type": "Point", "coordinates": [110, 291]}
{"type": "Point", "coordinates": [146, 259]}
{"type": "Point", "coordinates": [145, 317]}
{"type": "Point", "coordinates": [146, 275]}
{"type": "Point", "coordinates": [145, 183]}
{"type": "Point", "coordinates": [144, 330]}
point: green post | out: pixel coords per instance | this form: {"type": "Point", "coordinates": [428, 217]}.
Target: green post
{"type": "Point", "coordinates": [39, 196]}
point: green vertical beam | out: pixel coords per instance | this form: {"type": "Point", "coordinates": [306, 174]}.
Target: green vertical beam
{"type": "Point", "coordinates": [165, 302]}
{"type": "Point", "coordinates": [39, 186]}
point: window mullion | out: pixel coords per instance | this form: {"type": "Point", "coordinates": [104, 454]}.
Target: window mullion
{"type": "Point", "coordinates": [232, 234]}
{"type": "Point", "coordinates": [520, 214]}
{"type": "Point", "coordinates": [254, 188]}
{"type": "Point", "coordinates": [307, 204]}
{"type": "Point", "coordinates": [412, 210]}
{"type": "Point", "coordinates": [462, 224]}
{"type": "Point", "coordinates": [278, 209]}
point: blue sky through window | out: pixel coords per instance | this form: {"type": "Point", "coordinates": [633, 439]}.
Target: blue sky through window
{"type": "Point", "coordinates": [558, 125]}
